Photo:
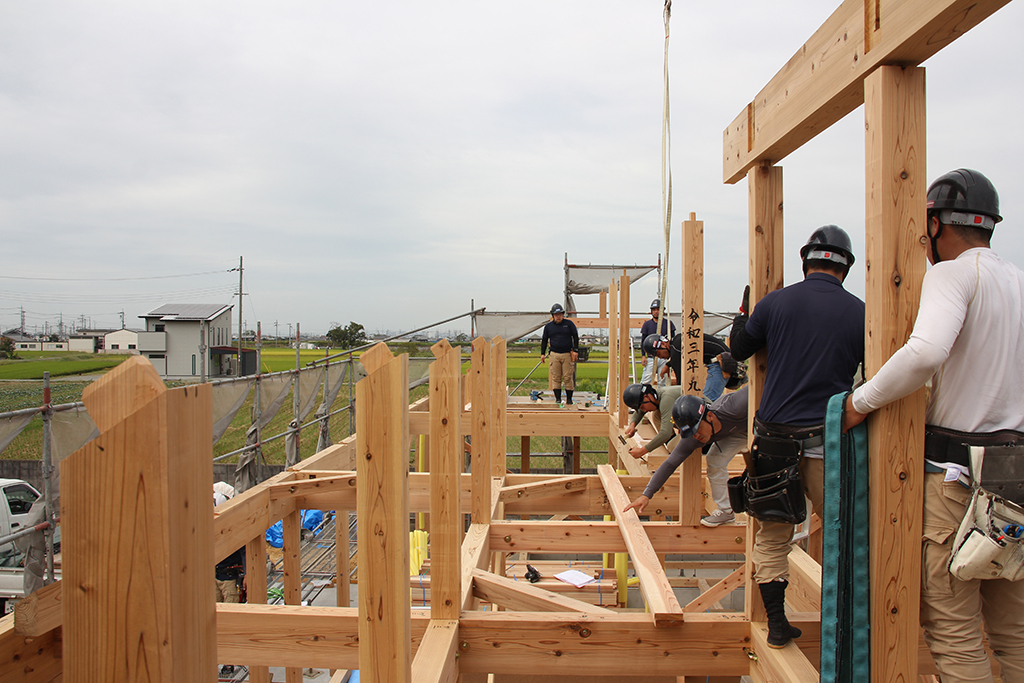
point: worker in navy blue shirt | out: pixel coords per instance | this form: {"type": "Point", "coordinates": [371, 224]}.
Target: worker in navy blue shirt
{"type": "Point", "coordinates": [653, 365]}
{"type": "Point", "coordinates": [561, 334]}
{"type": "Point", "coordinates": [814, 334]}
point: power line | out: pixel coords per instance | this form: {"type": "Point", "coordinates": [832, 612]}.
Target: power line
{"type": "Point", "coordinates": [114, 279]}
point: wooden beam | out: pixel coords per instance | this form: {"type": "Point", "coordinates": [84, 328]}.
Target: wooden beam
{"type": "Point", "coordinates": [804, 591]}
{"type": "Point", "coordinates": [311, 488]}
{"type": "Point", "coordinates": [784, 665]}
{"type": "Point", "coordinates": [894, 114]}
{"type": "Point", "coordinates": [621, 444]}
{"type": "Point", "coordinates": [479, 370]}
{"type": "Point", "coordinates": [291, 534]}
{"type": "Point", "coordinates": [29, 659]}
{"type": "Point", "coordinates": [694, 373]}
{"type": "Point", "coordinates": [824, 80]}
{"type": "Point", "coordinates": [256, 588]}
{"type": "Point", "coordinates": [39, 612]}
{"type": "Point", "coordinates": [658, 593]}
{"type": "Point", "coordinates": [437, 658]}
{"type": "Point", "coordinates": [382, 428]}
{"type": "Point", "coordinates": [614, 390]}
{"type": "Point", "coordinates": [136, 502]}
{"type": "Point", "coordinates": [524, 596]}
{"type": "Point", "coordinates": [718, 591]}
{"type": "Point", "coordinates": [625, 354]}
{"type": "Point", "coordinates": [499, 404]}
{"type": "Point", "coordinates": [602, 322]}
{"type": "Point", "coordinates": [605, 537]}
{"type": "Point", "coordinates": [446, 464]}
{"type": "Point", "coordinates": [544, 489]}
{"type": "Point", "coordinates": [475, 555]}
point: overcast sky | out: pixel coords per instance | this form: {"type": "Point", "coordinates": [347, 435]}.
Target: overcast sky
{"type": "Point", "coordinates": [391, 162]}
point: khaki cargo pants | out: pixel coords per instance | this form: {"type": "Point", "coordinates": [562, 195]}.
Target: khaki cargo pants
{"type": "Point", "coordinates": [953, 612]}
{"type": "Point", "coordinates": [560, 371]}
{"type": "Point", "coordinates": [773, 539]}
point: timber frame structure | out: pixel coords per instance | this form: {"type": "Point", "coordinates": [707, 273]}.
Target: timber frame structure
{"type": "Point", "coordinates": [136, 601]}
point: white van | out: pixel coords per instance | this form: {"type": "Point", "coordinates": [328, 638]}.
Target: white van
{"type": "Point", "coordinates": [15, 503]}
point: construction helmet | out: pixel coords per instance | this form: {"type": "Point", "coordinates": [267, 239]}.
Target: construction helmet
{"type": "Point", "coordinates": [656, 303]}
{"type": "Point", "coordinates": [650, 343]}
{"type": "Point", "coordinates": [687, 413]}
{"type": "Point", "coordinates": [829, 243]}
{"type": "Point", "coordinates": [969, 196]}
{"type": "Point", "coordinates": [557, 308]}
{"type": "Point", "coordinates": [634, 395]}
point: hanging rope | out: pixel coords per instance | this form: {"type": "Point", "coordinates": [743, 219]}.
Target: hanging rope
{"type": "Point", "coordinates": [666, 177]}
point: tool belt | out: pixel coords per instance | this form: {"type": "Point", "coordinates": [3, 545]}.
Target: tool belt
{"type": "Point", "coordinates": [774, 492]}
{"type": "Point", "coordinates": [990, 541]}
{"type": "Point", "coordinates": [950, 445]}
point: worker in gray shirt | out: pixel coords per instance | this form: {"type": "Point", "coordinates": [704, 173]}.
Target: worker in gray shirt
{"type": "Point", "coordinates": [644, 398]}
{"type": "Point", "coordinates": [720, 429]}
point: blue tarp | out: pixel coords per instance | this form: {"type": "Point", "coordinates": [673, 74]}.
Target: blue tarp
{"type": "Point", "coordinates": [311, 519]}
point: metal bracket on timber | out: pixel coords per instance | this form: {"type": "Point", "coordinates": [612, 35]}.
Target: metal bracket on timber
{"type": "Point", "coordinates": [136, 502]}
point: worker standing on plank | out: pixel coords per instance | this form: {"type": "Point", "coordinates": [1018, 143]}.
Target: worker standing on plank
{"type": "Point", "coordinates": [653, 365]}
{"type": "Point", "coordinates": [970, 322]}
{"type": "Point", "coordinates": [643, 398]}
{"type": "Point", "coordinates": [561, 334]}
{"type": "Point", "coordinates": [720, 430]}
{"type": "Point", "coordinates": [814, 333]}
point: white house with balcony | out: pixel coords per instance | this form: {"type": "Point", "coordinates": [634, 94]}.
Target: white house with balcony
{"type": "Point", "coordinates": [176, 334]}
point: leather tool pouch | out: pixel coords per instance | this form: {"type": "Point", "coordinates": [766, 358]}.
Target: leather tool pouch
{"type": "Point", "coordinates": [776, 493]}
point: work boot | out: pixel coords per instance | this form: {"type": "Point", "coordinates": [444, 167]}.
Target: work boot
{"type": "Point", "coordinates": [558, 395]}
{"type": "Point", "coordinates": [568, 397]}
{"type": "Point", "coordinates": [780, 632]}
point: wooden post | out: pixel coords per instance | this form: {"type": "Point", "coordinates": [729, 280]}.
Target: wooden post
{"type": "Point", "coordinates": [291, 534]}
{"type": "Point", "coordinates": [499, 407]}
{"type": "Point", "coordinates": [524, 455]}
{"type": "Point", "coordinates": [480, 432]}
{"type": "Point", "coordinates": [764, 187]}
{"type": "Point", "coordinates": [694, 374]}
{"type": "Point", "coordinates": [138, 534]}
{"type": "Point", "coordinates": [625, 356]}
{"type": "Point", "coordinates": [446, 446]}
{"type": "Point", "coordinates": [614, 398]}
{"type": "Point", "coordinates": [894, 113]}
{"type": "Point", "coordinates": [256, 590]}
{"type": "Point", "coordinates": [382, 503]}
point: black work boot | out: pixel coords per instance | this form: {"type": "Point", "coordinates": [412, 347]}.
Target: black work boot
{"type": "Point", "coordinates": [558, 395]}
{"type": "Point", "coordinates": [568, 397]}
{"type": "Point", "coordinates": [780, 631]}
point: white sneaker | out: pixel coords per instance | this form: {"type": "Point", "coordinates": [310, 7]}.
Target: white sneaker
{"type": "Point", "coordinates": [717, 518]}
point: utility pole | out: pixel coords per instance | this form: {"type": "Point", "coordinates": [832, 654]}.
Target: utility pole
{"type": "Point", "coordinates": [23, 320]}
{"type": "Point", "coordinates": [289, 330]}
{"type": "Point", "coordinates": [122, 318]}
{"type": "Point", "coordinates": [276, 335]}
{"type": "Point", "coordinates": [238, 367]}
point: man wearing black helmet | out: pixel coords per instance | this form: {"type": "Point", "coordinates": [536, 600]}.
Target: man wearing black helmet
{"type": "Point", "coordinates": [720, 429]}
{"type": "Point", "coordinates": [652, 365]}
{"type": "Point", "coordinates": [814, 333]}
{"type": "Point", "coordinates": [969, 322]}
{"type": "Point", "coordinates": [643, 398]}
{"type": "Point", "coordinates": [565, 343]}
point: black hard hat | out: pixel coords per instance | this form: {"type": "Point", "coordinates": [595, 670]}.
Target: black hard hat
{"type": "Point", "coordinates": [634, 394]}
{"type": "Point", "coordinates": [557, 308]}
{"type": "Point", "coordinates": [656, 303]}
{"type": "Point", "coordinates": [829, 243]}
{"type": "Point", "coordinates": [967, 193]}
{"type": "Point", "coordinates": [650, 342]}
{"type": "Point", "coordinates": [687, 413]}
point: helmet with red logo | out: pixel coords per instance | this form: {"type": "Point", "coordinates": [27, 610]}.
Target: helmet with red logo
{"type": "Point", "coordinates": [829, 243]}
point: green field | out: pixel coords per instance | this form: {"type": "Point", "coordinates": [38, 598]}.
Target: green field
{"type": "Point", "coordinates": [32, 364]}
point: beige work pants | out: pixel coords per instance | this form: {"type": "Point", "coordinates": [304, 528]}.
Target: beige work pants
{"type": "Point", "coordinates": [773, 539]}
{"type": "Point", "coordinates": [560, 371]}
{"type": "Point", "coordinates": [953, 612]}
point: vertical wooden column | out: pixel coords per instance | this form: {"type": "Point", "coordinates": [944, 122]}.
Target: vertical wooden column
{"type": "Point", "coordinates": [342, 561]}
{"type": "Point", "coordinates": [256, 591]}
{"type": "Point", "coordinates": [625, 357]}
{"type": "Point", "coordinates": [499, 406]}
{"type": "Point", "coordinates": [382, 502]}
{"type": "Point", "coordinates": [603, 305]}
{"type": "Point", "coordinates": [291, 534]}
{"type": "Point", "coordinates": [764, 207]}
{"type": "Point", "coordinates": [694, 374]}
{"type": "Point", "coordinates": [480, 432]}
{"type": "Point", "coordinates": [614, 398]}
{"type": "Point", "coordinates": [138, 598]}
{"type": "Point", "coordinates": [894, 113]}
{"type": "Point", "coordinates": [524, 454]}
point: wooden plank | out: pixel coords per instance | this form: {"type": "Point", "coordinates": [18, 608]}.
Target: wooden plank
{"type": "Point", "coordinates": [479, 370]}
{"type": "Point", "coordinates": [605, 537]}
{"type": "Point", "coordinates": [694, 373]}
{"type": "Point", "coordinates": [311, 488]}
{"type": "Point", "coordinates": [499, 405]}
{"type": "Point", "coordinates": [475, 555]}
{"type": "Point", "coordinates": [804, 591]}
{"type": "Point", "coordinates": [29, 659]}
{"type": "Point", "coordinates": [256, 590]}
{"type": "Point", "coordinates": [620, 443]}
{"type": "Point", "coordinates": [894, 113]}
{"type": "Point", "coordinates": [784, 665]}
{"type": "Point", "coordinates": [658, 593]}
{"type": "Point", "coordinates": [446, 464]}
{"type": "Point", "coordinates": [765, 254]}
{"type": "Point", "coordinates": [39, 612]}
{"type": "Point", "coordinates": [525, 597]}
{"type": "Point", "coordinates": [602, 322]}
{"type": "Point", "coordinates": [625, 354]}
{"type": "Point", "coordinates": [727, 585]}
{"type": "Point", "coordinates": [339, 456]}
{"type": "Point", "coordinates": [382, 427]}
{"type": "Point", "coordinates": [556, 423]}
{"type": "Point", "coordinates": [136, 502]}
{"type": "Point", "coordinates": [824, 80]}
{"type": "Point", "coordinates": [544, 489]}
{"type": "Point", "coordinates": [437, 658]}
{"type": "Point", "coordinates": [291, 530]}
{"type": "Point", "coordinates": [375, 358]}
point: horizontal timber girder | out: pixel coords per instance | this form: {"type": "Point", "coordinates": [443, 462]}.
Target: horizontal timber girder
{"type": "Point", "coordinates": [531, 422]}
{"type": "Point", "coordinates": [605, 537]}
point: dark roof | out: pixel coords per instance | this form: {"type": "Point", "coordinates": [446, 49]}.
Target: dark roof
{"type": "Point", "coordinates": [188, 311]}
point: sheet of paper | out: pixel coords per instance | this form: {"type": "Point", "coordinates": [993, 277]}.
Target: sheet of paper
{"type": "Point", "coordinates": [576, 578]}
